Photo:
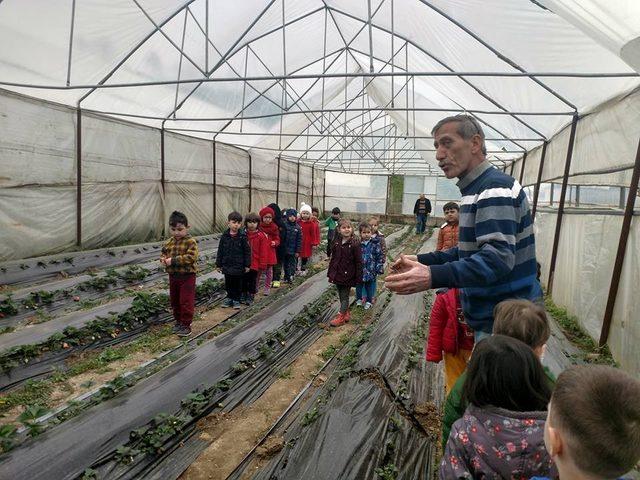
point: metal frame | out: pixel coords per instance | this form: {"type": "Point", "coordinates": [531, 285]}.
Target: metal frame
{"type": "Point", "coordinates": [620, 254]}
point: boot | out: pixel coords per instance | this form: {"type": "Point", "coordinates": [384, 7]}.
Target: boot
{"type": "Point", "coordinates": [347, 316]}
{"type": "Point", "coordinates": [338, 320]}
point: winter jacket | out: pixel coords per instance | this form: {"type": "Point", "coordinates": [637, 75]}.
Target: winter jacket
{"type": "Point", "coordinates": [234, 253]}
{"type": "Point", "coordinates": [310, 238]}
{"type": "Point", "coordinates": [183, 253]}
{"type": "Point", "coordinates": [273, 233]}
{"type": "Point", "coordinates": [494, 443]}
{"type": "Point", "coordinates": [293, 238]}
{"type": "Point", "coordinates": [260, 249]}
{"type": "Point", "coordinates": [383, 244]}
{"type": "Point", "coordinates": [345, 267]}
{"type": "Point", "coordinates": [278, 220]}
{"type": "Point", "coordinates": [448, 331]}
{"type": "Point", "coordinates": [331, 223]}
{"type": "Point", "coordinates": [372, 260]}
{"type": "Point", "coordinates": [448, 236]}
{"type": "Point", "coordinates": [423, 209]}
{"type": "Point", "coordinates": [455, 405]}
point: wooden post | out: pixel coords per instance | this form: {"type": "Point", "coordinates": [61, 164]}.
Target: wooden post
{"type": "Point", "coordinates": [563, 194]}
{"type": "Point", "coordinates": [524, 162]}
{"type": "Point", "coordinates": [536, 191]}
{"type": "Point", "coordinates": [213, 167]}
{"type": "Point", "coordinates": [278, 183]}
{"type": "Point", "coordinates": [250, 182]}
{"type": "Point", "coordinates": [622, 248]}
{"type": "Point", "coordinates": [79, 177]}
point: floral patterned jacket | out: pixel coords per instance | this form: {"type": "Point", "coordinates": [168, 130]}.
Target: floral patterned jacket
{"type": "Point", "coordinates": [493, 443]}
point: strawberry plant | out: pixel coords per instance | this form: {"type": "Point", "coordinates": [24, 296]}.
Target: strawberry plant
{"type": "Point", "coordinates": [28, 419]}
{"type": "Point", "coordinates": [7, 437]}
{"type": "Point", "coordinates": [8, 307]}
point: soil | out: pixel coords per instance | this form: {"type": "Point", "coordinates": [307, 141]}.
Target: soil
{"type": "Point", "coordinates": [430, 418]}
{"type": "Point", "coordinates": [233, 435]}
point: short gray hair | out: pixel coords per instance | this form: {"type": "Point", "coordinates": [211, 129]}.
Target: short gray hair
{"type": "Point", "coordinates": [468, 126]}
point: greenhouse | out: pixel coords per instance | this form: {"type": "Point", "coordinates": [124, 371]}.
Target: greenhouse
{"type": "Point", "coordinates": [116, 116]}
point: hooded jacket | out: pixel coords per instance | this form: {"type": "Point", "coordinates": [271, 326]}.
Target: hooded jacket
{"type": "Point", "coordinates": [446, 333]}
{"type": "Point", "coordinates": [372, 260]}
{"type": "Point", "coordinates": [278, 220]}
{"type": "Point", "coordinates": [293, 238]}
{"type": "Point", "coordinates": [310, 237]}
{"type": "Point", "coordinates": [345, 267]}
{"type": "Point", "coordinates": [260, 249]}
{"type": "Point", "coordinates": [494, 443]}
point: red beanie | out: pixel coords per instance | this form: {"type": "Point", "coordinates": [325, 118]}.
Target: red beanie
{"type": "Point", "coordinates": [267, 211]}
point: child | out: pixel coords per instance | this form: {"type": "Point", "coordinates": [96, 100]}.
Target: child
{"type": "Point", "coordinates": [345, 268]}
{"type": "Point", "coordinates": [233, 259]}
{"type": "Point", "coordinates": [520, 319]}
{"type": "Point", "coordinates": [280, 221]}
{"type": "Point", "coordinates": [332, 223]}
{"type": "Point", "coordinates": [448, 234]}
{"type": "Point", "coordinates": [260, 253]}
{"type": "Point", "coordinates": [315, 215]}
{"type": "Point", "coordinates": [292, 244]}
{"type": "Point", "coordinates": [449, 336]}
{"type": "Point", "coordinates": [593, 426]}
{"type": "Point", "coordinates": [377, 236]}
{"type": "Point", "coordinates": [309, 238]}
{"type": "Point", "coordinates": [269, 227]}
{"type": "Point", "coordinates": [501, 434]}
{"type": "Point", "coordinates": [372, 266]}
{"type": "Point", "coordinates": [180, 257]}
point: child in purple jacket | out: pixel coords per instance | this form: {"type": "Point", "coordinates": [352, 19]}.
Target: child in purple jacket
{"type": "Point", "coordinates": [501, 434]}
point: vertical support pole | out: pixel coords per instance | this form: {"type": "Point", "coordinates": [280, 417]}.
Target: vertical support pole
{"type": "Point", "coordinates": [393, 58]}
{"type": "Point", "coordinates": [213, 167]}
{"type": "Point", "coordinates": [250, 180]}
{"type": "Point", "coordinates": [386, 203]}
{"type": "Point", "coordinates": [284, 56]}
{"type": "Point", "coordinates": [524, 163]}
{"type": "Point", "coordinates": [370, 37]}
{"type": "Point", "coordinates": [297, 184]}
{"type": "Point", "coordinates": [162, 174]}
{"type": "Point", "coordinates": [511, 170]}
{"type": "Point", "coordinates": [536, 191]}
{"type": "Point", "coordinates": [73, 21]}
{"type": "Point", "coordinates": [79, 177]}
{"type": "Point", "coordinates": [563, 194]}
{"type": "Point", "coordinates": [312, 182]}
{"type": "Point", "coordinates": [206, 34]}
{"type": "Point", "coordinates": [622, 248]}
{"type": "Point", "coordinates": [324, 194]}
{"type": "Point", "coordinates": [278, 183]}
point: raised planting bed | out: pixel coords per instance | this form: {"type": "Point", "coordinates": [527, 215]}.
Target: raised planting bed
{"type": "Point", "coordinates": [41, 350]}
{"type": "Point", "coordinates": [34, 270]}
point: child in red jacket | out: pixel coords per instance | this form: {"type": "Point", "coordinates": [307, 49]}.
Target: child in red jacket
{"type": "Point", "coordinates": [270, 227]}
{"type": "Point", "coordinates": [449, 336]}
{"type": "Point", "coordinates": [260, 246]}
{"type": "Point", "coordinates": [310, 237]}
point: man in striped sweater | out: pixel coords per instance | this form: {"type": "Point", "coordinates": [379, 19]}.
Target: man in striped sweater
{"type": "Point", "coordinates": [495, 258]}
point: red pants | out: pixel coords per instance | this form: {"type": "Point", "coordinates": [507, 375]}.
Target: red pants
{"type": "Point", "coordinates": [182, 292]}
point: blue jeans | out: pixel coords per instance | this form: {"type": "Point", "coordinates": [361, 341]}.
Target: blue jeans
{"type": "Point", "coordinates": [421, 222]}
{"type": "Point", "coordinates": [366, 291]}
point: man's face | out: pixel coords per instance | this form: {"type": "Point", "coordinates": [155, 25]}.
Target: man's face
{"type": "Point", "coordinates": [305, 215]}
{"type": "Point", "coordinates": [454, 153]}
{"type": "Point", "coordinates": [179, 230]}
{"type": "Point", "coordinates": [451, 215]}
{"type": "Point", "coordinates": [234, 225]}
{"type": "Point", "coordinates": [422, 196]}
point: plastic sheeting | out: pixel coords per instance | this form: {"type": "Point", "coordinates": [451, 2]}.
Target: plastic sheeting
{"type": "Point", "coordinates": [439, 190]}
{"type": "Point", "coordinates": [356, 193]}
{"type": "Point", "coordinates": [586, 254]}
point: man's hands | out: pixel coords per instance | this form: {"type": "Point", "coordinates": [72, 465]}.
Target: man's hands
{"type": "Point", "coordinates": [409, 276]}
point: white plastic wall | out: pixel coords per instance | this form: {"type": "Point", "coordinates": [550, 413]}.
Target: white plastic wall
{"type": "Point", "coordinates": [356, 193]}
{"type": "Point", "coordinates": [439, 190]}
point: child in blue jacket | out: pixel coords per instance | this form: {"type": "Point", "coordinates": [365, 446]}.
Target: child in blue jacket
{"type": "Point", "coordinates": [372, 266]}
{"type": "Point", "coordinates": [292, 244]}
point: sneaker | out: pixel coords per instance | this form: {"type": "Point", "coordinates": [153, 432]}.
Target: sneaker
{"type": "Point", "coordinates": [183, 331]}
{"type": "Point", "coordinates": [303, 273]}
{"type": "Point", "coordinates": [249, 299]}
{"type": "Point", "coordinates": [338, 320]}
{"type": "Point", "coordinates": [243, 298]}
{"type": "Point", "coordinates": [275, 284]}
{"type": "Point", "coordinates": [237, 305]}
{"type": "Point", "coordinates": [367, 305]}
{"type": "Point", "coordinates": [266, 292]}
{"type": "Point", "coordinates": [359, 302]}
{"type": "Point", "coordinates": [176, 327]}
{"type": "Point", "coordinates": [227, 303]}
{"type": "Point", "coordinates": [347, 316]}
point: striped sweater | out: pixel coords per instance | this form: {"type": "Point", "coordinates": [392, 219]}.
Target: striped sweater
{"type": "Point", "coordinates": [495, 258]}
